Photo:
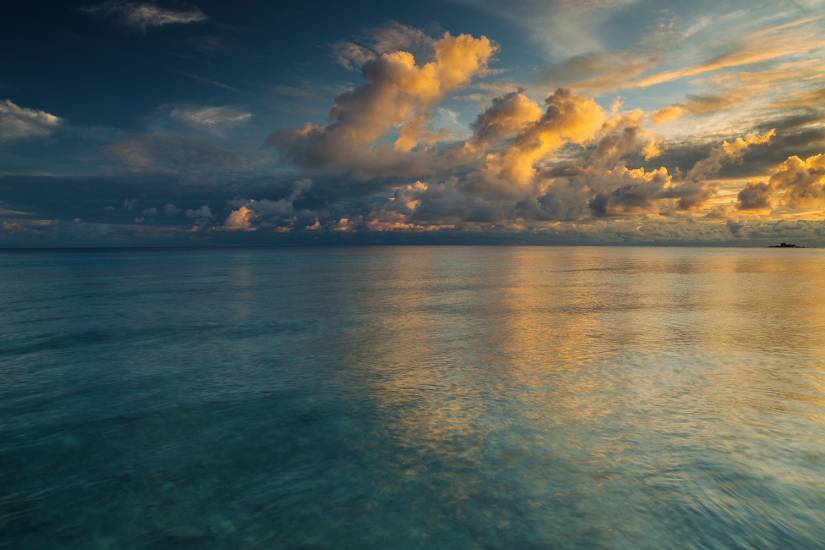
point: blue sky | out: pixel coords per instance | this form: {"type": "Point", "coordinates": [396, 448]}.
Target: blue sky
{"type": "Point", "coordinates": [146, 122]}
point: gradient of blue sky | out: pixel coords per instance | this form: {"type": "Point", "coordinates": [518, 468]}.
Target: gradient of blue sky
{"type": "Point", "coordinates": [138, 122]}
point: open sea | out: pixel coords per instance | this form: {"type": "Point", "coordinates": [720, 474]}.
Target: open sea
{"type": "Point", "coordinates": [413, 397]}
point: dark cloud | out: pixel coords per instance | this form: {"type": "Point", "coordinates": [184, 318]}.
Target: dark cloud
{"type": "Point", "coordinates": [755, 196]}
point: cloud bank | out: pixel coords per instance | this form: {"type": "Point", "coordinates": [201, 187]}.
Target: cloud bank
{"type": "Point", "coordinates": [435, 138]}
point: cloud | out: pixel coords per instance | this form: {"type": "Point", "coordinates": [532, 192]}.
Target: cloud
{"type": "Point", "coordinates": [514, 179]}
{"type": "Point", "coordinates": [265, 213]}
{"type": "Point", "coordinates": [214, 119]}
{"type": "Point", "coordinates": [623, 135]}
{"type": "Point", "coordinates": [699, 105]}
{"type": "Point", "coordinates": [600, 184]}
{"type": "Point", "coordinates": [755, 196]}
{"type": "Point", "coordinates": [209, 81]}
{"type": "Point", "coordinates": [201, 213]}
{"type": "Point", "coordinates": [398, 152]}
{"type": "Point", "coordinates": [240, 220]}
{"type": "Point", "coordinates": [796, 184]}
{"type": "Point", "coordinates": [396, 36]}
{"type": "Point", "coordinates": [634, 190]}
{"type": "Point", "coordinates": [604, 70]}
{"type": "Point", "coordinates": [145, 15]}
{"type": "Point", "coordinates": [507, 115]}
{"type": "Point", "coordinates": [186, 155]}
{"type": "Point", "coordinates": [18, 122]}
{"type": "Point", "coordinates": [350, 55]}
{"type": "Point", "coordinates": [695, 190]}
{"type": "Point", "coordinates": [568, 118]}
{"type": "Point", "coordinates": [398, 94]}
{"type": "Point", "coordinates": [601, 71]}
{"type": "Point", "coordinates": [525, 168]}
{"type": "Point", "coordinates": [561, 27]}
{"type": "Point", "coordinates": [728, 151]}
{"type": "Point", "coordinates": [798, 132]}
{"type": "Point", "coordinates": [786, 85]}
{"type": "Point", "coordinates": [806, 99]}
{"type": "Point", "coordinates": [162, 199]}
{"type": "Point", "coordinates": [390, 37]}
{"type": "Point", "coordinates": [802, 180]}
{"type": "Point", "coordinates": [758, 46]}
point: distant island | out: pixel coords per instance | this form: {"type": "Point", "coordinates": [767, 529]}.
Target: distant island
{"type": "Point", "coordinates": [785, 245]}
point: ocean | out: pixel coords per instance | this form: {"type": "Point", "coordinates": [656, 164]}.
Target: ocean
{"type": "Point", "coordinates": [413, 397]}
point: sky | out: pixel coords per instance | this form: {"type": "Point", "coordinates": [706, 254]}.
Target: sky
{"type": "Point", "coordinates": [132, 123]}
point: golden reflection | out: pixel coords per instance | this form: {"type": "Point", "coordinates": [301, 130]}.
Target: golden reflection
{"type": "Point", "coordinates": [428, 325]}
{"type": "Point", "coordinates": [627, 341]}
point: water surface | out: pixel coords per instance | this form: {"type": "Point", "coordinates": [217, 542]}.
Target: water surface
{"type": "Point", "coordinates": [419, 397]}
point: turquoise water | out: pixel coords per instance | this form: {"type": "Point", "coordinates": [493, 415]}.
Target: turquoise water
{"type": "Point", "coordinates": [416, 397]}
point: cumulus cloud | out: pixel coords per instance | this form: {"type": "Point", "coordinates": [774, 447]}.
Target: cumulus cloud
{"type": "Point", "coordinates": [695, 189]}
{"type": "Point", "coordinates": [240, 220]}
{"type": "Point", "coordinates": [802, 180]}
{"type": "Point", "coordinates": [146, 15]}
{"type": "Point", "coordinates": [517, 179]}
{"type": "Point", "coordinates": [728, 151]}
{"type": "Point", "coordinates": [622, 135]}
{"type": "Point", "coordinates": [18, 122]}
{"type": "Point", "coordinates": [398, 94]}
{"type": "Point", "coordinates": [598, 184]}
{"type": "Point", "coordinates": [568, 118]}
{"type": "Point", "coordinates": [508, 114]}
{"type": "Point", "coordinates": [513, 141]}
{"type": "Point", "coordinates": [795, 184]}
{"type": "Point", "coordinates": [755, 196]}
{"type": "Point", "coordinates": [633, 190]}
{"type": "Point", "coordinates": [527, 167]}
{"type": "Point", "coordinates": [252, 214]}
{"type": "Point", "coordinates": [621, 190]}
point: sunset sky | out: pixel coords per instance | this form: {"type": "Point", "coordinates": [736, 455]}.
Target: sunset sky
{"type": "Point", "coordinates": [600, 121]}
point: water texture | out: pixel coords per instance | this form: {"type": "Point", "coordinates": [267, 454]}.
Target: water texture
{"type": "Point", "coordinates": [413, 397]}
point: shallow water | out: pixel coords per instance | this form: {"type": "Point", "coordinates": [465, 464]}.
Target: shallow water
{"type": "Point", "coordinates": [414, 397]}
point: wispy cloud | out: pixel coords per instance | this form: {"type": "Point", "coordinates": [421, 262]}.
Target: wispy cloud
{"type": "Point", "coordinates": [169, 153]}
{"type": "Point", "coordinates": [145, 15]}
{"type": "Point", "coordinates": [210, 81]}
{"type": "Point", "coordinates": [756, 47]}
{"type": "Point", "coordinates": [214, 119]}
{"type": "Point", "coordinates": [386, 38]}
{"type": "Point", "coordinates": [18, 122]}
{"type": "Point", "coordinates": [562, 27]}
